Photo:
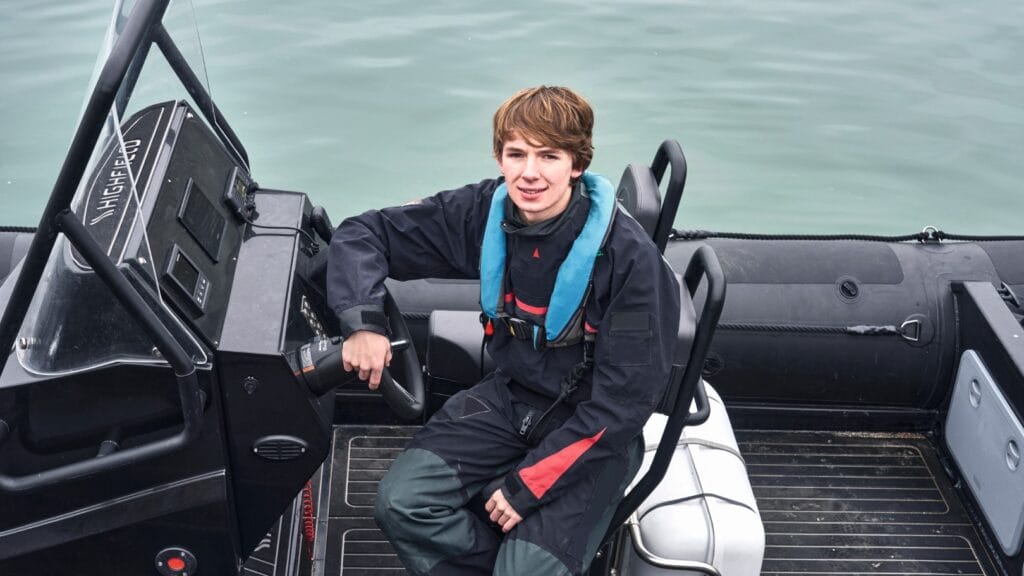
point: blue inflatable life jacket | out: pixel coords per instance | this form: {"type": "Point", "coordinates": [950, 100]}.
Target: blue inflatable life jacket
{"type": "Point", "coordinates": [563, 322]}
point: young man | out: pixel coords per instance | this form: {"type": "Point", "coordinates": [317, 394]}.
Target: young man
{"type": "Point", "coordinates": [581, 310]}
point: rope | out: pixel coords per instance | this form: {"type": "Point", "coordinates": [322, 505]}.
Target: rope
{"type": "Point", "coordinates": [699, 495]}
{"type": "Point", "coordinates": [704, 235]}
{"type": "Point", "coordinates": [927, 235]}
{"type": "Point", "coordinates": [308, 518]}
{"type": "Point", "coordinates": [862, 330]}
{"type": "Point", "coordinates": [977, 238]}
{"type": "Point", "coordinates": [713, 445]}
{"type": "Point", "coordinates": [18, 229]}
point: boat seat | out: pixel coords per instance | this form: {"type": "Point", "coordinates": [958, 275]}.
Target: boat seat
{"type": "Point", "coordinates": [703, 512]}
{"type": "Point", "coordinates": [453, 355]}
{"type": "Point", "coordinates": [638, 193]}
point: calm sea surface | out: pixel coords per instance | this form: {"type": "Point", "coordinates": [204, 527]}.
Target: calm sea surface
{"type": "Point", "coordinates": [871, 116]}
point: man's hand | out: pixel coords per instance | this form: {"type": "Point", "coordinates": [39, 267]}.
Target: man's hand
{"type": "Point", "coordinates": [367, 352]}
{"type": "Point", "coordinates": [502, 512]}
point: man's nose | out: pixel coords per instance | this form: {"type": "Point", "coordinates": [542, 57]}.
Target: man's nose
{"type": "Point", "coordinates": [531, 171]}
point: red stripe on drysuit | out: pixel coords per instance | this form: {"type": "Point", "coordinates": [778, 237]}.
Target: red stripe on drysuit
{"type": "Point", "coordinates": [508, 297]}
{"type": "Point", "coordinates": [588, 328]}
{"type": "Point", "coordinates": [538, 310]}
{"type": "Point", "coordinates": [543, 475]}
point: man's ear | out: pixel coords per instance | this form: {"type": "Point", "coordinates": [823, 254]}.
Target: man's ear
{"type": "Point", "coordinates": [576, 173]}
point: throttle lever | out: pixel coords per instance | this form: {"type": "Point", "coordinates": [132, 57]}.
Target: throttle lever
{"type": "Point", "coordinates": [320, 367]}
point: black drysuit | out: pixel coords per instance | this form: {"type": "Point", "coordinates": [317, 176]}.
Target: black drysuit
{"type": "Point", "coordinates": [566, 486]}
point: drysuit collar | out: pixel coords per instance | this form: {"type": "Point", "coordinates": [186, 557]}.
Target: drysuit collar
{"type": "Point", "coordinates": [579, 202]}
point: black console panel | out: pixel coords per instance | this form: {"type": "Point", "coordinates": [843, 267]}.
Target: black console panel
{"type": "Point", "coordinates": [193, 233]}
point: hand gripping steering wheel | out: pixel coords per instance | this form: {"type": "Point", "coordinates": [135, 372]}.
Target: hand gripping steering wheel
{"type": "Point", "coordinates": [318, 363]}
{"type": "Point", "coordinates": [405, 395]}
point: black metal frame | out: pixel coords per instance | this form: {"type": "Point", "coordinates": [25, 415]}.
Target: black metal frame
{"type": "Point", "coordinates": [669, 153]}
{"type": "Point", "coordinates": [703, 264]}
{"type": "Point", "coordinates": [113, 87]}
{"type": "Point", "coordinates": [202, 98]}
{"type": "Point", "coordinates": [685, 385]}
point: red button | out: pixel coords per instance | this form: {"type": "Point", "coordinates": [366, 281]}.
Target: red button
{"type": "Point", "coordinates": [176, 564]}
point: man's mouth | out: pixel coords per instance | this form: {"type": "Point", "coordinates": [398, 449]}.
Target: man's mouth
{"type": "Point", "coordinates": [531, 191]}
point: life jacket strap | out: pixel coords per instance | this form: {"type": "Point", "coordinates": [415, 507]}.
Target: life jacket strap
{"type": "Point", "coordinates": [518, 328]}
{"type": "Point", "coordinates": [515, 327]}
{"type": "Point", "coordinates": [569, 384]}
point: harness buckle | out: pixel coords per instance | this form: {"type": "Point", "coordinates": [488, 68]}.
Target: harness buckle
{"type": "Point", "coordinates": [518, 328]}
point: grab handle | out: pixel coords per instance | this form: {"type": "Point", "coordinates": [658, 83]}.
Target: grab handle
{"type": "Point", "coordinates": [670, 153]}
{"type": "Point", "coordinates": [703, 264]}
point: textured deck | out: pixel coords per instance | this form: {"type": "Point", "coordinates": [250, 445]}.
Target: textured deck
{"type": "Point", "coordinates": [839, 503]}
{"type": "Point", "coordinates": [282, 550]}
{"type": "Point", "coordinates": [832, 503]}
{"type": "Point", "coordinates": [362, 454]}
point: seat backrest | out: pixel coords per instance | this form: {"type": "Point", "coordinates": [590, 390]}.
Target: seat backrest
{"type": "Point", "coordinates": [638, 193]}
{"type": "Point", "coordinates": [454, 348]}
{"type": "Point", "coordinates": [685, 333]}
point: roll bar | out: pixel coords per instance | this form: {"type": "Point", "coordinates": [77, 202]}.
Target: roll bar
{"type": "Point", "coordinates": [202, 98]}
{"type": "Point", "coordinates": [137, 31]}
{"type": "Point", "coordinates": [113, 86]}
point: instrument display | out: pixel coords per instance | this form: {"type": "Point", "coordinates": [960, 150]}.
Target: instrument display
{"type": "Point", "coordinates": [186, 277]}
{"type": "Point", "coordinates": [238, 197]}
{"type": "Point", "coordinates": [204, 223]}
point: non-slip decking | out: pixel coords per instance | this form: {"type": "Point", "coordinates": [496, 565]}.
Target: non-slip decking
{"type": "Point", "coordinates": [840, 503]}
{"type": "Point", "coordinates": [831, 503]}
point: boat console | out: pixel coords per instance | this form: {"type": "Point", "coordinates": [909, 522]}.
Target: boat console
{"type": "Point", "coordinates": [171, 359]}
{"type": "Point", "coordinates": [171, 212]}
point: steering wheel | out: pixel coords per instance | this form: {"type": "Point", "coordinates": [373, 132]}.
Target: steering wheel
{"type": "Point", "coordinates": [405, 395]}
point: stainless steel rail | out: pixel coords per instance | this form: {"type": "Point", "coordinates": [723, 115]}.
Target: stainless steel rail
{"type": "Point", "coordinates": [653, 559]}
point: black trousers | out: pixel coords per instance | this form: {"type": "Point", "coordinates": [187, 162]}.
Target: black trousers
{"type": "Point", "coordinates": [430, 503]}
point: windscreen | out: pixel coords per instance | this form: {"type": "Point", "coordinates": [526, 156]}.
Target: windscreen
{"type": "Point", "coordinates": [75, 322]}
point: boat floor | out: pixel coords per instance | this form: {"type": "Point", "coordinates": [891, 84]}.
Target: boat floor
{"type": "Point", "coordinates": [858, 503]}
{"type": "Point", "coordinates": [831, 503]}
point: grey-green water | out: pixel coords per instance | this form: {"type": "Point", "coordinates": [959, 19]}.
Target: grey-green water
{"type": "Point", "coordinates": [804, 116]}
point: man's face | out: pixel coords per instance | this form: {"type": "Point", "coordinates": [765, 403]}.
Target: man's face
{"type": "Point", "coordinates": [537, 178]}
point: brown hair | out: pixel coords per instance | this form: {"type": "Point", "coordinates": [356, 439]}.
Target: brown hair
{"type": "Point", "coordinates": [549, 116]}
